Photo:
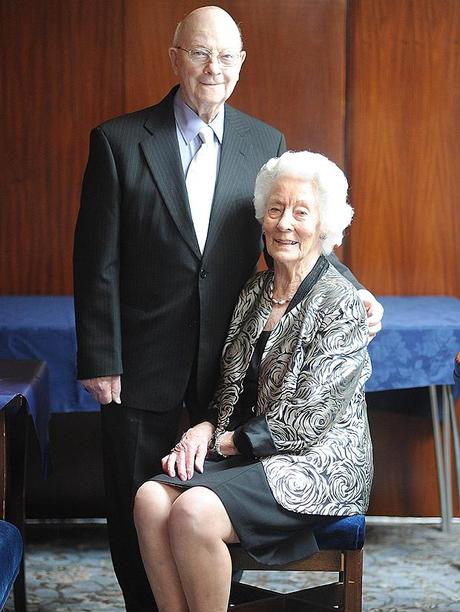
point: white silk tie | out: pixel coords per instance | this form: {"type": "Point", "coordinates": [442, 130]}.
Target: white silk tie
{"type": "Point", "coordinates": [201, 181]}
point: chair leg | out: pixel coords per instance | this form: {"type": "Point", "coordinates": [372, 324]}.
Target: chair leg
{"type": "Point", "coordinates": [352, 580]}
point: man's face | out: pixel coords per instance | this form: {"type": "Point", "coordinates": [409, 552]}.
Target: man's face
{"type": "Point", "coordinates": [205, 87]}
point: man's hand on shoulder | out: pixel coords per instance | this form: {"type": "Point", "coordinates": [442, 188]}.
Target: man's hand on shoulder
{"type": "Point", "coordinates": [104, 389]}
{"type": "Point", "coordinates": [374, 312]}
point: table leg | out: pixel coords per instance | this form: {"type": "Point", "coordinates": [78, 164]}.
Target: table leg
{"type": "Point", "coordinates": [438, 448]}
{"type": "Point", "coordinates": [446, 426]}
{"type": "Point", "coordinates": [16, 447]}
{"type": "Point", "coordinates": [449, 398]}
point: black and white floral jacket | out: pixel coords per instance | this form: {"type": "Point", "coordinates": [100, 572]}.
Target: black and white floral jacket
{"type": "Point", "coordinates": [310, 428]}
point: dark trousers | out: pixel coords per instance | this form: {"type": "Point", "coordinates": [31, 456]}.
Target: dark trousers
{"type": "Point", "coordinates": [133, 443]}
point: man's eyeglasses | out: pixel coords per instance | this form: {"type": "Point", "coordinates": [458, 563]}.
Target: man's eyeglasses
{"type": "Point", "coordinates": [200, 55]}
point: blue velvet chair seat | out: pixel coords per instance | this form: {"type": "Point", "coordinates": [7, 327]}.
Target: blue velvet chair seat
{"type": "Point", "coordinates": [11, 549]}
{"type": "Point", "coordinates": [346, 533]}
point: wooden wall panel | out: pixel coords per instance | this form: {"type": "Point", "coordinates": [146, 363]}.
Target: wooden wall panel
{"type": "Point", "coordinates": [405, 476]}
{"type": "Point", "coordinates": [294, 74]}
{"type": "Point", "coordinates": [69, 64]}
{"type": "Point", "coordinates": [61, 73]}
{"type": "Point", "coordinates": [403, 103]}
{"type": "Point", "coordinates": [403, 132]}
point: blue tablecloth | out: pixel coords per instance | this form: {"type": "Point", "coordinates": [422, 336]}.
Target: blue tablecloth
{"type": "Point", "coordinates": [43, 327]}
{"type": "Point", "coordinates": [416, 347]}
{"type": "Point", "coordinates": [418, 342]}
{"type": "Point", "coordinates": [28, 379]}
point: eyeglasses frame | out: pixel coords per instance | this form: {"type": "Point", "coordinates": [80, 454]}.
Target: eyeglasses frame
{"type": "Point", "coordinates": [211, 55]}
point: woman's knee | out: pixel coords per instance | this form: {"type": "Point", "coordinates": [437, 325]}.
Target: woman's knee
{"type": "Point", "coordinates": [198, 512]}
{"type": "Point", "coordinates": [151, 502]}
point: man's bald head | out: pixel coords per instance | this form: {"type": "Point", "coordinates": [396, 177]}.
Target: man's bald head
{"type": "Point", "coordinates": [206, 16]}
{"type": "Point", "coordinates": [207, 57]}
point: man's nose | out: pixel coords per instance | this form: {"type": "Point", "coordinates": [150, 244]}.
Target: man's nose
{"type": "Point", "coordinates": [213, 65]}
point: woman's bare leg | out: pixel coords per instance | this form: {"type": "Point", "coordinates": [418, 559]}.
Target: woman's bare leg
{"type": "Point", "coordinates": [199, 530]}
{"type": "Point", "coordinates": [152, 507]}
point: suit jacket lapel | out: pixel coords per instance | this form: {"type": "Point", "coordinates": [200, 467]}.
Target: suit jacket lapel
{"type": "Point", "coordinates": [162, 154]}
{"type": "Point", "coordinates": [234, 152]}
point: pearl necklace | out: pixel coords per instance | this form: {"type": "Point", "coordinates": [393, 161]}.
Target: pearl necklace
{"type": "Point", "coordinates": [282, 302]}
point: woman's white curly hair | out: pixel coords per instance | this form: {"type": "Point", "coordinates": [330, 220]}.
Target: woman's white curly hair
{"type": "Point", "coordinates": [329, 183]}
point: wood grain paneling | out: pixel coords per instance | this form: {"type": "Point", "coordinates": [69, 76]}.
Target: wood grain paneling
{"type": "Point", "coordinates": [405, 477]}
{"type": "Point", "coordinates": [61, 73]}
{"type": "Point", "coordinates": [69, 64]}
{"type": "Point", "coordinates": [403, 154]}
{"type": "Point", "coordinates": [294, 74]}
{"type": "Point", "coordinates": [66, 66]}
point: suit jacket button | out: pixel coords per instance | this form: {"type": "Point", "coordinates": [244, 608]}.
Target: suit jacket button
{"type": "Point", "coordinates": [203, 273]}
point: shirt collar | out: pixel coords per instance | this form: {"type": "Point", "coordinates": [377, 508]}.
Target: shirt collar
{"type": "Point", "coordinates": [190, 124]}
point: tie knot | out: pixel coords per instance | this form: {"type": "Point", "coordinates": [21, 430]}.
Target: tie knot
{"type": "Point", "coordinates": [206, 135]}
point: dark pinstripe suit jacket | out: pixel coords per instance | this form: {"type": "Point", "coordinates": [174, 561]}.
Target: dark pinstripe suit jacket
{"type": "Point", "coordinates": [147, 303]}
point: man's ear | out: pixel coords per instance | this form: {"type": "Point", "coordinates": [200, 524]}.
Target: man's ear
{"type": "Point", "coordinates": [172, 52]}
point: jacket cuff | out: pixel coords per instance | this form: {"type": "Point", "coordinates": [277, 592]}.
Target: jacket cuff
{"type": "Point", "coordinates": [254, 439]}
{"type": "Point", "coordinates": [211, 416]}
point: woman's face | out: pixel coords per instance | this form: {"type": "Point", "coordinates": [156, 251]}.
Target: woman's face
{"type": "Point", "coordinates": [291, 222]}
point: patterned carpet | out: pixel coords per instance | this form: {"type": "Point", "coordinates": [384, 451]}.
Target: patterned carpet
{"type": "Point", "coordinates": [408, 568]}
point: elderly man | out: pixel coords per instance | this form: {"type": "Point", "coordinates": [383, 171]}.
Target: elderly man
{"type": "Point", "coordinates": [165, 239]}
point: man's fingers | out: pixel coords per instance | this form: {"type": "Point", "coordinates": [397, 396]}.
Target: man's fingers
{"type": "Point", "coordinates": [104, 389]}
{"type": "Point", "coordinates": [102, 393]}
{"type": "Point", "coordinates": [116, 389]}
{"type": "Point", "coordinates": [374, 328]}
{"type": "Point", "coordinates": [105, 398]}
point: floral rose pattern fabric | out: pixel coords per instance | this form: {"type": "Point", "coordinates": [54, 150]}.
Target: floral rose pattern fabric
{"type": "Point", "coordinates": [311, 393]}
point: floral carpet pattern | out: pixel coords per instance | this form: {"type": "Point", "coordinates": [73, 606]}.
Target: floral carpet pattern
{"type": "Point", "coordinates": [407, 568]}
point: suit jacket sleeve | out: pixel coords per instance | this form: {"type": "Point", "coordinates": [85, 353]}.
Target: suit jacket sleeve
{"type": "Point", "coordinates": [96, 264]}
{"type": "Point", "coordinates": [344, 271]}
{"type": "Point", "coordinates": [328, 379]}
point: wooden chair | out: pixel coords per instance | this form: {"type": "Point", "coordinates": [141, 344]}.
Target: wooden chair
{"type": "Point", "coordinates": [340, 545]}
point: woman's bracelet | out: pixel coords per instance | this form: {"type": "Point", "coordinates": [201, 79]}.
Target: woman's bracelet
{"type": "Point", "coordinates": [217, 445]}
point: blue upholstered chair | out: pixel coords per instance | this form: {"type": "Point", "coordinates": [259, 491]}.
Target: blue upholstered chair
{"type": "Point", "coordinates": [11, 550]}
{"type": "Point", "coordinates": [340, 544]}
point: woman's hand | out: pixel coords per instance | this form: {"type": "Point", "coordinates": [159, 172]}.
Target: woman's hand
{"type": "Point", "coordinates": [190, 452]}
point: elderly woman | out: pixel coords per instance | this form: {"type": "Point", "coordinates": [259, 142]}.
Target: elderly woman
{"type": "Point", "coordinates": [287, 438]}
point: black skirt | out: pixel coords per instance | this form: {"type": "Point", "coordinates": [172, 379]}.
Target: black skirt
{"type": "Point", "coordinates": [269, 533]}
